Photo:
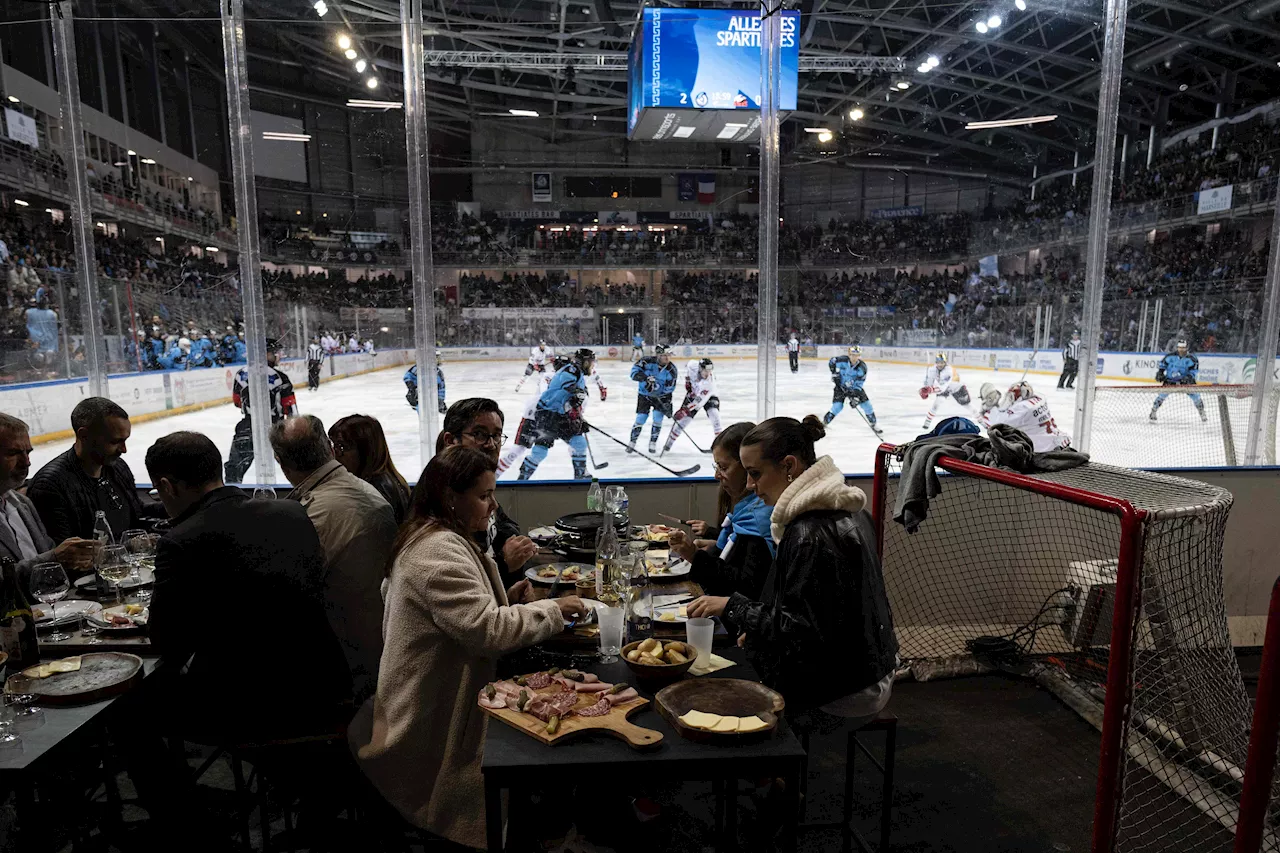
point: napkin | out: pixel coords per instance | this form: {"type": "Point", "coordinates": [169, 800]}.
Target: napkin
{"type": "Point", "coordinates": [713, 664]}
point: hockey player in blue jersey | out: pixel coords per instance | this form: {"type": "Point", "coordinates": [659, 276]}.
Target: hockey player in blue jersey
{"type": "Point", "coordinates": [411, 383]}
{"type": "Point", "coordinates": [1178, 368]}
{"type": "Point", "coordinates": [657, 377]}
{"type": "Point", "coordinates": [637, 347]}
{"type": "Point", "coordinates": [558, 416]}
{"type": "Point", "coordinates": [174, 358]}
{"type": "Point", "coordinates": [848, 373]}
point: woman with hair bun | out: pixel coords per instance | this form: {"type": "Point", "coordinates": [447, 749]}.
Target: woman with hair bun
{"type": "Point", "coordinates": [822, 632]}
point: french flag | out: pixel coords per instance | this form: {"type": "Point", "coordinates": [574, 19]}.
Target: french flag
{"type": "Point", "coordinates": [706, 189]}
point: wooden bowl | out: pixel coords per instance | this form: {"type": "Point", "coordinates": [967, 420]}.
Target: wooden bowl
{"type": "Point", "coordinates": [651, 673]}
{"type": "Point", "coordinates": [728, 697]}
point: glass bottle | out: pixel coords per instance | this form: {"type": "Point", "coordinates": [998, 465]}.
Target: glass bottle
{"type": "Point", "coordinates": [608, 550]}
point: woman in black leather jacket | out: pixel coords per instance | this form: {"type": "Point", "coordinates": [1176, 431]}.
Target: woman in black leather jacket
{"type": "Point", "coordinates": [821, 632]}
{"type": "Point", "coordinates": [739, 559]}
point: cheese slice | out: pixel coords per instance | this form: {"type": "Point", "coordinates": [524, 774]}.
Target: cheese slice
{"type": "Point", "coordinates": [684, 611]}
{"type": "Point", "coordinates": [45, 670]}
{"type": "Point", "coordinates": [700, 720]}
{"type": "Point", "coordinates": [751, 724]}
{"type": "Point", "coordinates": [726, 724]}
{"type": "Point", "coordinates": [668, 616]}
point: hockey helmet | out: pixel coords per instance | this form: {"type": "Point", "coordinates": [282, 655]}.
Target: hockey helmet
{"type": "Point", "coordinates": [542, 344]}
{"type": "Point", "coordinates": [661, 349]}
{"type": "Point", "coordinates": [940, 358]}
{"type": "Point", "coordinates": [581, 356]}
{"type": "Point", "coordinates": [559, 362]}
{"type": "Point", "coordinates": [274, 345]}
{"type": "Point", "coordinates": [439, 356]}
{"type": "Point", "coordinates": [1020, 391]}
{"type": "Point", "coordinates": [1181, 345]}
{"type": "Point", "coordinates": [705, 364]}
{"type": "Point", "coordinates": [1075, 335]}
{"type": "Point", "coordinates": [855, 352]}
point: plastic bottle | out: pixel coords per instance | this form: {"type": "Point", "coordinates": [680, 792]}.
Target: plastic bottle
{"type": "Point", "coordinates": [595, 500]}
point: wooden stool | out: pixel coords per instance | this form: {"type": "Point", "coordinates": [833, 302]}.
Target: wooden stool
{"type": "Point", "coordinates": [888, 724]}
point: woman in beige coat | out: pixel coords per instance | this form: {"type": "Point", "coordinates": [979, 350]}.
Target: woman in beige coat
{"type": "Point", "coordinates": [447, 621]}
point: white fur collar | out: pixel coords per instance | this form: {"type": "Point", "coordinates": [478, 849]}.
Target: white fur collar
{"type": "Point", "coordinates": [821, 486]}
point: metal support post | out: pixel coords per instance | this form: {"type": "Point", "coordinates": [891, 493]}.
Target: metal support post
{"type": "Point", "coordinates": [235, 55]}
{"type": "Point", "coordinates": [767, 315]}
{"type": "Point", "coordinates": [1264, 373]}
{"type": "Point", "coordinates": [1100, 212]}
{"type": "Point", "coordinates": [64, 49]}
{"type": "Point", "coordinates": [424, 303]}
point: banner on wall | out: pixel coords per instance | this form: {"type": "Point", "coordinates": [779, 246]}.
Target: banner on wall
{"type": "Point", "coordinates": [1214, 200]}
{"type": "Point", "coordinates": [617, 217]}
{"type": "Point", "coordinates": [22, 128]}
{"type": "Point", "coordinates": [905, 212]}
{"type": "Point", "coordinates": [989, 266]}
{"type": "Point", "coordinates": [527, 313]}
{"type": "Point", "coordinates": [542, 186]}
{"type": "Point", "coordinates": [686, 186]}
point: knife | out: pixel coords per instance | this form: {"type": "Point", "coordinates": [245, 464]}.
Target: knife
{"type": "Point", "coordinates": [678, 521]}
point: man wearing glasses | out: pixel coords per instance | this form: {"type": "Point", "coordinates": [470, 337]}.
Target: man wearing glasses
{"type": "Point", "coordinates": [477, 422]}
{"type": "Point", "coordinates": [91, 476]}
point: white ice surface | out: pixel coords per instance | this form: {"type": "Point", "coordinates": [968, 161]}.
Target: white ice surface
{"type": "Point", "coordinates": [893, 389]}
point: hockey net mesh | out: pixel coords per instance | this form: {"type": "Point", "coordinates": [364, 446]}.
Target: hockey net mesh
{"type": "Point", "coordinates": [1178, 438]}
{"type": "Point", "coordinates": [1007, 578]}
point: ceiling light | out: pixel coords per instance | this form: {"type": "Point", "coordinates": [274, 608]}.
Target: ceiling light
{"type": "Point", "coordinates": [190, 179]}
{"type": "Point", "coordinates": [933, 62]}
{"type": "Point", "coordinates": [297, 212]}
{"type": "Point", "coordinates": [50, 210]}
{"type": "Point", "coordinates": [132, 153]}
{"type": "Point", "coordinates": [159, 239]}
{"type": "Point", "coordinates": [211, 248]}
{"type": "Point", "coordinates": [923, 68]}
{"type": "Point", "coordinates": [361, 65]}
{"type": "Point", "coordinates": [281, 136]}
{"type": "Point", "coordinates": [524, 113]}
{"type": "Point", "coordinates": [321, 8]}
{"type": "Point", "coordinates": [21, 203]}
{"type": "Point", "coordinates": [372, 82]}
{"type": "Point", "coordinates": [904, 85]}
{"type": "Point", "coordinates": [856, 114]}
{"type": "Point", "coordinates": [344, 41]}
{"type": "Point", "coordinates": [149, 161]}
{"type": "Point", "coordinates": [684, 132]}
{"type": "Point", "coordinates": [981, 26]}
{"type": "Point", "coordinates": [13, 99]}
{"type": "Point", "coordinates": [994, 21]}
{"type": "Point", "coordinates": [815, 130]}
{"type": "Point", "coordinates": [1009, 122]}
{"type": "Point", "coordinates": [1182, 88]}
{"type": "Point", "coordinates": [350, 53]}
{"type": "Point", "coordinates": [825, 136]}
{"type": "Point", "coordinates": [362, 103]}
{"type": "Point", "coordinates": [1021, 4]}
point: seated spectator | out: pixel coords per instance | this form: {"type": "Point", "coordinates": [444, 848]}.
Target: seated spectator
{"type": "Point", "coordinates": [477, 422]}
{"type": "Point", "coordinates": [361, 446]}
{"type": "Point", "coordinates": [449, 618]}
{"type": "Point", "coordinates": [270, 552]}
{"type": "Point", "coordinates": [356, 528]}
{"type": "Point", "coordinates": [91, 476]}
{"type": "Point", "coordinates": [22, 534]}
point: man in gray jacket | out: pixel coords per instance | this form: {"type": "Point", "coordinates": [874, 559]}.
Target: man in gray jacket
{"type": "Point", "coordinates": [23, 536]}
{"type": "Point", "coordinates": [356, 528]}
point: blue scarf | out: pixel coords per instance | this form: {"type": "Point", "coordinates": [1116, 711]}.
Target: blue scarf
{"type": "Point", "coordinates": [749, 517]}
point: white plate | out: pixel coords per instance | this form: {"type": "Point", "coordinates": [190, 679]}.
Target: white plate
{"type": "Point", "coordinates": [593, 606]}
{"type": "Point", "coordinates": [139, 621]}
{"type": "Point", "coordinates": [68, 611]}
{"type": "Point", "coordinates": [532, 573]}
{"type": "Point", "coordinates": [542, 534]}
{"type": "Point", "coordinates": [145, 576]}
{"type": "Point", "coordinates": [673, 570]}
{"type": "Point", "coordinates": [674, 611]}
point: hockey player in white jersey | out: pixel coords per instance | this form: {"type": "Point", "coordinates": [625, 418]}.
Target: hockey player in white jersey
{"type": "Point", "coordinates": [700, 393]}
{"type": "Point", "coordinates": [942, 381]}
{"type": "Point", "coordinates": [1021, 408]}
{"type": "Point", "coordinates": [539, 361]}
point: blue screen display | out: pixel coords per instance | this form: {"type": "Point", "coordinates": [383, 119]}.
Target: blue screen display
{"type": "Point", "coordinates": [707, 59]}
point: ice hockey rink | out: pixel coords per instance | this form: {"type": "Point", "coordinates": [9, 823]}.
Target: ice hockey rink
{"type": "Point", "coordinates": [893, 389]}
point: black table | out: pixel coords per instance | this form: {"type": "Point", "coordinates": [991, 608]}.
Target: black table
{"type": "Point", "coordinates": [513, 759]}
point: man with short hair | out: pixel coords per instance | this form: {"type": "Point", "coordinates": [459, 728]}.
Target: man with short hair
{"type": "Point", "coordinates": [22, 535]}
{"type": "Point", "coordinates": [91, 476]}
{"type": "Point", "coordinates": [269, 552]}
{"type": "Point", "coordinates": [357, 528]}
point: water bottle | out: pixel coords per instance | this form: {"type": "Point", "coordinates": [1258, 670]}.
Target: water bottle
{"type": "Point", "coordinates": [595, 502]}
{"type": "Point", "coordinates": [623, 512]}
{"type": "Point", "coordinates": [102, 537]}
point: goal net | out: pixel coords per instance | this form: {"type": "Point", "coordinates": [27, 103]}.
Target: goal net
{"type": "Point", "coordinates": [1104, 585]}
{"type": "Point", "coordinates": [1195, 426]}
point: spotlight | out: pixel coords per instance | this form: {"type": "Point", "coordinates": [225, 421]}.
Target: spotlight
{"type": "Point", "coordinates": [13, 99]}
{"type": "Point", "coordinates": [825, 136]}
{"type": "Point", "coordinates": [372, 82]}
{"type": "Point", "coordinates": [350, 53]}
{"type": "Point", "coordinates": [994, 22]}
{"type": "Point", "coordinates": [360, 66]}
{"type": "Point", "coordinates": [904, 85]}
{"type": "Point", "coordinates": [856, 114]}
{"type": "Point", "coordinates": [321, 8]}
{"type": "Point", "coordinates": [981, 26]}
{"type": "Point", "coordinates": [21, 203]}
{"type": "Point", "coordinates": [344, 41]}
{"type": "Point", "coordinates": [923, 68]}
{"type": "Point", "coordinates": [1021, 5]}
{"type": "Point", "coordinates": [933, 62]}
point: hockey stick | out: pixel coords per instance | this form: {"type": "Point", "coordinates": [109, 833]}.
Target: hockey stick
{"type": "Point", "coordinates": [1022, 378]}
{"type": "Point", "coordinates": [694, 443]}
{"type": "Point", "coordinates": [684, 473]}
{"type": "Point", "coordinates": [867, 421]}
{"type": "Point", "coordinates": [591, 453]}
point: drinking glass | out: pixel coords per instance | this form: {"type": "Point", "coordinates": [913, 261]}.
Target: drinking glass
{"type": "Point", "coordinates": [261, 494]}
{"type": "Point", "coordinates": [610, 619]}
{"type": "Point", "coordinates": [699, 633]}
{"type": "Point", "coordinates": [140, 552]}
{"type": "Point", "coordinates": [114, 568]}
{"type": "Point", "coordinates": [613, 498]}
{"type": "Point", "coordinates": [8, 740]}
{"type": "Point", "coordinates": [50, 585]}
{"type": "Point", "coordinates": [20, 692]}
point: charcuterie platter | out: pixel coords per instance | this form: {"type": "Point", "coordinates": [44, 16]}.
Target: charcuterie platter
{"type": "Point", "coordinates": [555, 705]}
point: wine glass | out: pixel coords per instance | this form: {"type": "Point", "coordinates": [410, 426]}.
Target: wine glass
{"type": "Point", "coordinates": [114, 568]}
{"type": "Point", "coordinates": [261, 494]}
{"type": "Point", "coordinates": [140, 552]}
{"type": "Point", "coordinates": [8, 740]}
{"type": "Point", "coordinates": [50, 585]}
{"type": "Point", "coordinates": [20, 692]}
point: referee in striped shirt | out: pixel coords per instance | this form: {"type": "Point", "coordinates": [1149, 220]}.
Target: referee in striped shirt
{"type": "Point", "coordinates": [315, 357]}
{"type": "Point", "coordinates": [1070, 362]}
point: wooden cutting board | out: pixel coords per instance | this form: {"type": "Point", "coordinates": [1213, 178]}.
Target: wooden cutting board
{"type": "Point", "coordinates": [734, 697]}
{"type": "Point", "coordinates": [101, 675]}
{"type": "Point", "coordinates": [614, 723]}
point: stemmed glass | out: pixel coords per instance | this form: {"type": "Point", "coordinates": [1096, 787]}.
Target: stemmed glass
{"type": "Point", "coordinates": [114, 567]}
{"type": "Point", "coordinates": [140, 553]}
{"type": "Point", "coordinates": [50, 585]}
{"type": "Point", "coordinates": [261, 494]}
{"type": "Point", "coordinates": [8, 740]}
{"type": "Point", "coordinates": [20, 691]}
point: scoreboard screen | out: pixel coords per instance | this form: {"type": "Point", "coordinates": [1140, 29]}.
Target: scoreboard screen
{"type": "Point", "coordinates": [706, 59]}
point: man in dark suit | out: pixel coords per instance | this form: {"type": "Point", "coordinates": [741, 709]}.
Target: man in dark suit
{"type": "Point", "coordinates": [22, 535]}
{"type": "Point", "coordinates": [271, 666]}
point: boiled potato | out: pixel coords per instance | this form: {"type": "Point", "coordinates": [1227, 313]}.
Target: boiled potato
{"type": "Point", "coordinates": [633, 655]}
{"type": "Point", "coordinates": [650, 660]}
{"type": "Point", "coordinates": [651, 646]}
{"type": "Point", "coordinates": [675, 657]}
{"type": "Point", "coordinates": [677, 646]}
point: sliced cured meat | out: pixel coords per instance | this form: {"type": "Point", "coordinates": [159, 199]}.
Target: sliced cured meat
{"type": "Point", "coordinates": [499, 700]}
{"type": "Point", "coordinates": [590, 677]}
{"type": "Point", "coordinates": [509, 688]}
{"type": "Point", "coordinates": [547, 705]}
{"type": "Point", "coordinates": [597, 710]}
{"type": "Point", "coordinates": [622, 696]}
{"type": "Point", "coordinates": [537, 681]}
{"type": "Point", "coordinates": [596, 687]}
